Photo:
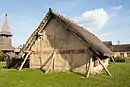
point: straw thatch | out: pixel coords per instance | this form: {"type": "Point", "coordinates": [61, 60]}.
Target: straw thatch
{"type": "Point", "coordinates": [81, 32]}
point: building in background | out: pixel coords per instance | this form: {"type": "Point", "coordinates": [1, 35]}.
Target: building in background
{"type": "Point", "coordinates": [6, 37]}
{"type": "Point", "coordinates": [122, 50]}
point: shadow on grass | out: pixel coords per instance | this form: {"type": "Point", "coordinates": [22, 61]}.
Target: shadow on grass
{"type": "Point", "coordinates": [42, 70]}
{"type": "Point", "coordinates": [78, 73]}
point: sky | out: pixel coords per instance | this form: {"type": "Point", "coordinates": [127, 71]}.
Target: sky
{"type": "Point", "coordinates": [107, 19]}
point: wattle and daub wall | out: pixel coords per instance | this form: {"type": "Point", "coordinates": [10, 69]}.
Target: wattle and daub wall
{"type": "Point", "coordinates": [70, 51]}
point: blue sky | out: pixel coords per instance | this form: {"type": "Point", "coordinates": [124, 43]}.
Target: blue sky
{"type": "Point", "coordinates": [107, 19]}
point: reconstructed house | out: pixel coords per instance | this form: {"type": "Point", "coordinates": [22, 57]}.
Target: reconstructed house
{"type": "Point", "coordinates": [122, 50]}
{"type": "Point", "coordinates": [60, 44]}
{"type": "Point", "coordinates": [119, 50]}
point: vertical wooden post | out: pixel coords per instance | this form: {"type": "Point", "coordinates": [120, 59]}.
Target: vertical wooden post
{"type": "Point", "coordinates": [113, 60]}
{"type": "Point", "coordinates": [40, 61]}
{"type": "Point", "coordinates": [89, 67]}
{"type": "Point", "coordinates": [41, 47]}
{"type": "Point", "coordinates": [53, 63]}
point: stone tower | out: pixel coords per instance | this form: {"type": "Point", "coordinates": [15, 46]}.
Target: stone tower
{"type": "Point", "coordinates": [6, 37]}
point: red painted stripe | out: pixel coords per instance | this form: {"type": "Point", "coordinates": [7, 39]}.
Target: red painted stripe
{"type": "Point", "coordinates": [76, 51]}
{"type": "Point", "coordinates": [47, 65]}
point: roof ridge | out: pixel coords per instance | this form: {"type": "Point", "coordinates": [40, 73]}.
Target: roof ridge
{"type": "Point", "coordinates": [85, 35]}
{"type": "Point", "coordinates": [70, 21]}
{"type": "Point", "coordinates": [58, 14]}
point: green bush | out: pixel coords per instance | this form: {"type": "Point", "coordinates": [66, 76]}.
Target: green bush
{"type": "Point", "coordinates": [2, 57]}
{"type": "Point", "coordinates": [127, 59]}
{"type": "Point", "coordinates": [119, 59]}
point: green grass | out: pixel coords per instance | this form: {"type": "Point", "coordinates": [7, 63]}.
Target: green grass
{"type": "Point", "coordinates": [35, 78]}
{"type": "Point", "coordinates": [2, 64]}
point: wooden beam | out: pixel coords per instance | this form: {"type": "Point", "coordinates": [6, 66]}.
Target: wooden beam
{"type": "Point", "coordinates": [40, 61]}
{"type": "Point", "coordinates": [32, 38]}
{"type": "Point", "coordinates": [24, 61]}
{"type": "Point", "coordinates": [104, 67]}
{"type": "Point", "coordinates": [51, 64]}
{"type": "Point", "coordinates": [113, 60]}
{"type": "Point", "coordinates": [89, 67]}
{"type": "Point", "coordinates": [49, 58]}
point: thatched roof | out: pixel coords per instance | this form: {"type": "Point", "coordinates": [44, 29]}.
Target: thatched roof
{"type": "Point", "coordinates": [121, 48]}
{"type": "Point", "coordinates": [94, 43]}
{"type": "Point", "coordinates": [5, 28]}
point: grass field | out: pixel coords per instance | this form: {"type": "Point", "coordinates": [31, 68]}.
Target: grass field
{"type": "Point", "coordinates": [35, 78]}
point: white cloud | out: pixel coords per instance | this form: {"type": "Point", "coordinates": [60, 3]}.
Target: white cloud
{"type": "Point", "coordinates": [119, 7]}
{"type": "Point", "coordinates": [94, 19]}
{"type": "Point", "coordinates": [2, 15]}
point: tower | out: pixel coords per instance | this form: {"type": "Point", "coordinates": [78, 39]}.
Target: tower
{"type": "Point", "coordinates": [6, 36]}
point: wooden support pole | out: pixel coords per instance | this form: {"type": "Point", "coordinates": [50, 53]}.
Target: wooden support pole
{"type": "Point", "coordinates": [49, 68]}
{"type": "Point", "coordinates": [113, 60]}
{"type": "Point", "coordinates": [89, 67]}
{"type": "Point", "coordinates": [51, 64]}
{"type": "Point", "coordinates": [40, 61]}
{"type": "Point", "coordinates": [104, 67]}
{"type": "Point", "coordinates": [50, 56]}
{"type": "Point", "coordinates": [24, 61]}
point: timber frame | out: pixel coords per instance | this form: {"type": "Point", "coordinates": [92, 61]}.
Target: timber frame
{"type": "Point", "coordinates": [90, 40]}
{"type": "Point", "coordinates": [67, 23]}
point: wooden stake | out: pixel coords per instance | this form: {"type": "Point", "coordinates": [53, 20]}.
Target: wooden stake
{"type": "Point", "coordinates": [51, 65]}
{"type": "Point", "coordinates": [104, 67]}
{"type": "Point", "coordinates": [50, 57]}
{"type": "Point", "coordinates": [24, 61]}
{"type": "Point", "coordinates": [89, 67]}
{"type": "Point", "coordinates": [40, 61]}
{"type": "Point", "coordinates": [113, 60]}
